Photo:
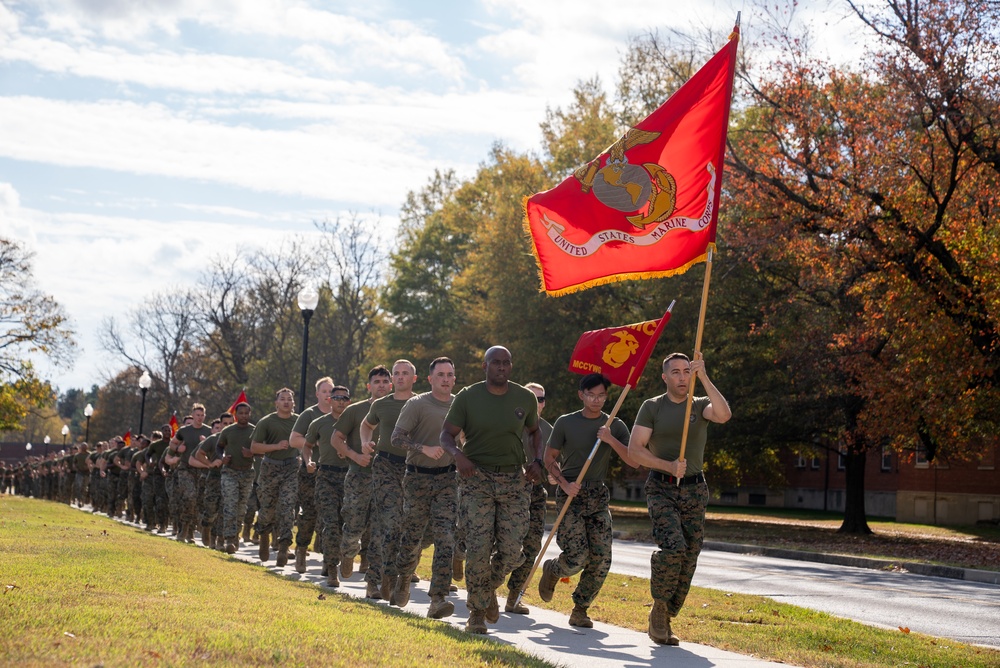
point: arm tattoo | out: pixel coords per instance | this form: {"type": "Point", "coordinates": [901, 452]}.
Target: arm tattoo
{"type": "Point", "coordinates": [402, 439]}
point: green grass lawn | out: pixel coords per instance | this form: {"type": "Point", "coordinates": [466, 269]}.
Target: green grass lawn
{"type": "Point", "coordinates": [81, 589]}
{"type": "Point", "coordinates": [816, 531]}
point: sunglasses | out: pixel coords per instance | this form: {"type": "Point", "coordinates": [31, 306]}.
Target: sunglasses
{"type": "Point", "coordinates": [340, 397]}
{"type": "Point", "coordinates": [541, 399]}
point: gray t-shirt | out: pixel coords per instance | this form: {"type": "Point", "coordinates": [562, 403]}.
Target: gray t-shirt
{"type": "Point", "coordinates": [422, 417]}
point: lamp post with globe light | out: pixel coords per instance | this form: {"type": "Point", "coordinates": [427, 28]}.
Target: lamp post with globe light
{"type": "Point", "coordinates": [144, 383]}
{"type": "Point", "coordinates": [87, 412]}
{"type": "Point", "coordinates": [65, 433]}
{"type": "Point", "coordinates": [308, 299]}
{"type": "Point", "coordinates": [46, 441]}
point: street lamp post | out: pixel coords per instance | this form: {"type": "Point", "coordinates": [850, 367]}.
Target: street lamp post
{"type": "Point", "coordinates": [144, 382]}
{"type": "Point", "coordinates": [87, 412]}
{"type": "Point", "coordinates": [46, 441]}
{"type": "Point", "coordinates": [308, 298]}
{"type": "Point", "coordinates": [65, 433]}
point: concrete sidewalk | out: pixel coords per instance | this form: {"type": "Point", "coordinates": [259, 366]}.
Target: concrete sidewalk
{"type": "Point", "coordinates": [543, 633]}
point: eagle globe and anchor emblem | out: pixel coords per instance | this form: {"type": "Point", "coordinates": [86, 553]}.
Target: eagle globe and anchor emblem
{"type": "Point", "coordinates": [617, 352]}
{"type": "Point", "coordinates": [630, 188]}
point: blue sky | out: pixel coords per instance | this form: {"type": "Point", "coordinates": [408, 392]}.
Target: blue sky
{"type": "Point", "coordinates": [137, 135]}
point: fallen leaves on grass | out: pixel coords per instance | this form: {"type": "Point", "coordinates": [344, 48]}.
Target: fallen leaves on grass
{"type": "Point", "coordinates": [9, 587]}
{"type": "Point", "coordinates": [322, 597]}
{"type": "Point", "coordinates": [904, 629]}
{"type": "Point", "coordinates": [68, 634]}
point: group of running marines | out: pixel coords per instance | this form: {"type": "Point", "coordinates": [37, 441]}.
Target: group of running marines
{"type": "Point", "coordinates": [387, 476]}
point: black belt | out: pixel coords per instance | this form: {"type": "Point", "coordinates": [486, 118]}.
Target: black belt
{"type": "Point", "coordinates": [331, 467]}
{"type": "Point", "coordinates": [436, 470]}
{"type": "Point", "coordinates": [686, 480]}
{"type": "Point", "coordinates": [395, 459]}
{"type": "Point", "coordinates": [511, 468]}
{"type": "Point", "coordinates": [281, 462]}
{"type": "Point", "coordinates": [227, 467]}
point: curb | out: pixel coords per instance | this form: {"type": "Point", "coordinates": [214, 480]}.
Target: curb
{"type": "Point", "coordinates": [970, 574]}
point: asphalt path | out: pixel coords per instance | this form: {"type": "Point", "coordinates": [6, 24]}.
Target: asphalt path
{"type": "Point", "coordinates": [965, 611]}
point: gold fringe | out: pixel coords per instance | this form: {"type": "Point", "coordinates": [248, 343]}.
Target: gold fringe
{"type": "Point", "coordinates": [603, 280]}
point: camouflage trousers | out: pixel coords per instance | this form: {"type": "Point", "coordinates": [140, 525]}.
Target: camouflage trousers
{"type": "Point", "coordinates": [430, 503]}
{"type": "Point", "coordinates": [148, 491]}
{"type": "Point", "coordinates": [81, 483]}
{"type": "Point", "coordinates": [533, 539]}
{"type": "Point", "coordinates": [278, 495]}
{"type": "Point", "coordinates": [211, 502]}
{"type": "Point", "coordinates": [135, 495]}
{"type": "Point", "coordinates": [96, 490]}
{"type": "Point", "coordinates": [187, 493]}
{"type": "Point", "coordinates": [496, 516]}
{"type": "Point", "coordinates": [235, 487]}
{"type": "Point", "coordinates": [112, 501]}
{"type": "Point", "coordinates": [358, 518]}
{"type": "Point", "coordinates": [678, 517]}
{"type": "Point", "coordinates": [161, 502]}
{"type": "Point", "coordinates": [329, 502]}
{"type": "Point", "coordinates": [173, 499]}
{"type": "Point", "coordinates": [387, 510]}
{"type": "Point", "coordinates": [585, 540]}
{"type": "Point", "coordinates": [122, 498]}
{"type": "Point", "coordinates": [252, 503]}
{"type": "Point", "coordinates": [305, 523]}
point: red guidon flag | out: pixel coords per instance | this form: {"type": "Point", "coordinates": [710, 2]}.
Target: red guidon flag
{"type": "Point", "coordinates": [174, 425]}
{"type": "Point", "coordinates": [647, 206]}
{"type": "Point", "coordinates": [127, 437]}
{"type": "Point", "coordinates": [620, 353]}
{"type": "Point", "coordinates": [240, 399]}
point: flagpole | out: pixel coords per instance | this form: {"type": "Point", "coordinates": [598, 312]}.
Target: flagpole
{"type": "Point", "coordinates": [569, 499]}
{"type": "Point", "coordinates": [697, 351]}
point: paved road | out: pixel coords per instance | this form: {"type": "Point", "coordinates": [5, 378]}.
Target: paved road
{"type": "Point", "coordinates": [964, 611]}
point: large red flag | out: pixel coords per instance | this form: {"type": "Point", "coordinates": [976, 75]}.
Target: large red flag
{"type": "Point", "coordinates": [240, 399]}
{"type": "Point", "coordinates": [620, 353]}
{"type": "Point", "coordinates": [174, 424]}
{"type": "Point", "coordinates": [647, 206]}
{"type": "Point", "coordinates": [127, 437]}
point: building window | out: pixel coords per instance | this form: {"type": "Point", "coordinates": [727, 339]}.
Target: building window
{"type": "Point", "coordinates": [800, 461]}
{"type": "Point", "coordinates": [886, 458]}
{"type": "Point", "coordinates": [815, 463]}
{"type": "Point", "coordinates": [842, 458]}
{"type": "Point", "coordinates": [920, 460]}
{"type": "Point", "coordinates": [987, 461]}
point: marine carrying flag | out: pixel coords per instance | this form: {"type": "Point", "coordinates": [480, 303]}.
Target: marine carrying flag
{"type": "Point", "coordinates": [647, 206]}
{"type": "Point", "coordinates": [174, 424]}
{"type": "Point", "coordinates": [240, 399]}
{"type": "Point", "coordinates": [620, 353]}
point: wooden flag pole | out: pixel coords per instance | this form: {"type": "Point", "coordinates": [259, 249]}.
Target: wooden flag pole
{"type": "Point", "coordinates": [569, 499]}
{"type": "Point", "coordinates": [697, 351]}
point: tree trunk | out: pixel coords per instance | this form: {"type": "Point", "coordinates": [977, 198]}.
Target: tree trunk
{"type": "Point", "coordinates": [855, 518]}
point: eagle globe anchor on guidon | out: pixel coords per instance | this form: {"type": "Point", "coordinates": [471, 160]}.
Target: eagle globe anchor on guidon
{"type": "Point", "coordinates": [646, 207]}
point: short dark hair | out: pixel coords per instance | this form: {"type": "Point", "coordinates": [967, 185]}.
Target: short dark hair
{"type": "Point", "coordinates": [675, 356]}
{"type": "Point", "coordinates": [283, 390]}
{"type": "Point", "coordinates": [592, 380]}
{"type": "Point", "coordinates": [241, 405]}
{"type": "Point", "coordinates": [216, 421]}
{"type": "Point", "coordinates": [342, 389]}
{"type": "Point", "coordinates": [379, 370]}
{"type": "Point", "coordinates": [225, 415]}
{"type": "Point", "coordinates": [440, 360]}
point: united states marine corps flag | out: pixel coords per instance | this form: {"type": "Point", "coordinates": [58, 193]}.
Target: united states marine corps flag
{"type": "Point", "coordinates": [647, 206]}
{"type": "Point", "coordinates": [127, 438]}
{"type": "Point", "coordinates": [620, 353]}
{"type": "Point", "coordinates": [239, 400]}
{"type": "Point", "coordinates": [174, 424]}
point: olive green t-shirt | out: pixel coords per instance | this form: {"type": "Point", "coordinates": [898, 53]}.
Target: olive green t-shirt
{"type": "Point", "coordinates": [666, 419]}
{"type": "Point", "coordinates": [139, 456]}
{"type": "Point", "coordinates": [574, 435]}
{"type": "Point", "coordinates": [191, 437]}
{"type": "Point", "coordinates": [349, 424]}
{"type": "Point", "coordinates": [155, 453]}
{"type": "Point", "coordinates": [125, 457]}
{"type": "Point", "coordinates": [274, 429]}
{"type": "Point", "coordinates": [493, 423]}
{"type": "Point", "coordinates": [422, 417]}
{"type": "Point", "coordinates": [384, 412]}
{"type": "Point", "coordinates": [210, 447]}
{"type": "Point", "coordinates": [318, 435]}
{"type": "Point", "coordinates": [529, 449]}
{"type": "Point", "coordinates": [305, 419]}
{"type": "Point", "coordinates": [232, 441]}
{"type": "Point", "coordinates": [80, 460]}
